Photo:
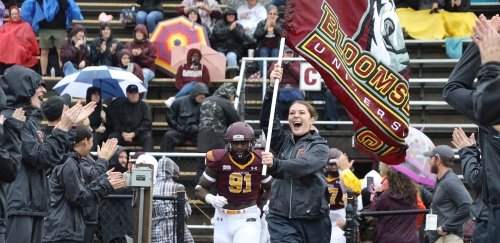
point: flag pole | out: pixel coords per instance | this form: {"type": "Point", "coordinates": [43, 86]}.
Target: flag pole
{"type": "Point", "coordinates": [273, 104]}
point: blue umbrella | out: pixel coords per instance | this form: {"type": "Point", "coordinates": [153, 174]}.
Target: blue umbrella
{"type": "Point", "coordinates": [113, 82]}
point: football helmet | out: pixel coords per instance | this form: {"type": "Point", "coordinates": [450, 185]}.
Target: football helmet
{"type": "Point", "coordinates": [240, 139]}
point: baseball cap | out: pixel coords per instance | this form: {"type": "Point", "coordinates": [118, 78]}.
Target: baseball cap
{"type": "Point", "coordinates": [444, 152]}
{"type": "Point", "coordinates": [333, 155]}
{"type": "Point", "coordinates": [132, 88]}
{"type": "Point", "coordinates": [53, 107]}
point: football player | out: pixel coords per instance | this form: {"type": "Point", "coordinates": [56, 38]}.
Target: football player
{"type": "Point", "coordinates": [337, 206]}
{"type": "Point", "coordinates": [236, 173]}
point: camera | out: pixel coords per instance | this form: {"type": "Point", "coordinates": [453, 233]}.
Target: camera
{"type": "Point", "coordinates": [138, 177]}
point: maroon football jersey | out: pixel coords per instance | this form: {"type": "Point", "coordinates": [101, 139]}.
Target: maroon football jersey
{"type": "Point", "coordinates": [238, 183]}
{"type": "Point", "coordinates": [335, 193]}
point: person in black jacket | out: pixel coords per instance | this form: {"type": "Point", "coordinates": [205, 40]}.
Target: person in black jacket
{"type": "Point", "coordinates": [470, 158]}
{"type": "Point", "coordinates": [183, 118]}
{"type": "Point", "coordinates": [104, 49]}
{"type": "Point", "coordinates": [298, 209]}
{"type": "Point", "coordinates": [131, 120]}
{"type": "Point", "coordinates": [98, 118]}
{"type": "Point", "coordinates": [27, 195]}
{"type": "Point", "coordinates": [10, 155]}
{"type": "Point", "coordinates": [228, 36]}
{"type": "Point", "coordinates": [69, 193]}
{"type": "Point", "coordinates": [460, 94]}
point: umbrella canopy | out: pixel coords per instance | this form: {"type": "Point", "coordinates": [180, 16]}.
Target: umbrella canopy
{"type": "Point", "coordinates": [113, 82]}
{"type": "Point", "coordinates": [214, 61]}
{"type": "Point", "coordinates": [416, 165]}
{"type": "Point", "coordinates": [173, 32]}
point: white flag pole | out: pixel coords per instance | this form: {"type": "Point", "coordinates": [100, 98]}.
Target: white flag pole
{"type": "Point", "coordinates": [273, 104]}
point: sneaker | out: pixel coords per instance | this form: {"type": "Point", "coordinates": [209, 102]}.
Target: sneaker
{"type": "Point", "coordinates": [169, 101]}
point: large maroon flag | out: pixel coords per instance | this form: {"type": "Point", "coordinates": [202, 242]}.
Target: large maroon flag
{"type": "Point", "coordinates": [358, 48]}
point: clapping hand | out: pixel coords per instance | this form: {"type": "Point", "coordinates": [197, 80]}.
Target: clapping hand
{"type": "Point", "coordinates": [460, 139]}
{"type": "Point", "coordinates": [344, 163]}
{"type": "Point", "coordinates": [107, 149]}
{"type": "Point", "coordinates": [233, 25]}
{"type": "Point", "coordinates": [69, 117]}
{"type": "Point", "coordinates": [103, 47]}
{"type": "Point", "coordinates": [19, 114]}
{"type": "Point", "coordinates": [86, 111]}
{"type": "Point", "coordinates": [487, 39]}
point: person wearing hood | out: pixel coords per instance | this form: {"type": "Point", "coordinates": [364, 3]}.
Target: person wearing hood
{"type": "Point", "coordinates": [98, 118]}
{"type": "Point", "coordinates": [189, 74]}
{"type": "Point", "coordinates": [125, 62]}
{"type": "Point", "coordinates": [27, 196]}
{"type": "Point", "coordinates": [217, 112]}
{"type": "Point", "coordinates": [104, 48]}
{"type": "Point", "coordinates": [75, 54]}
{"type": "Point", "coordinates": [194, 16]}
{"type": "Point", "coordinates": [71, 192]}
{"type": "Point", "coordinates": [120, 160]}
{"type": "Point", "coordinates": [143, 53]}
{"type": "Point", "coordinates": [164, 213]}
{"type": "Point", "coordinates": [127, 128]}
{"type": "Point", "coordinates": [10, 155]}
{"type": "Point", "coordinates": [228, 36]}
{"type": "Point", "coordinates": [149, 13]}
{"type": "Point", "coordinates": [19, 43]}
{"type": "Point", "coordinates": [183, 118]}
{"type": "Point", "coordinates": [209, 10]}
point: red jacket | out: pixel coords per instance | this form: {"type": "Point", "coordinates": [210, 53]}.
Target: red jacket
{"type": "Point", "coordinates": [148, 56]}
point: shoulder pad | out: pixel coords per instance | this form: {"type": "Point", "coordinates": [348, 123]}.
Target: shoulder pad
{"type": "Point", "coordinates": [213, 156]}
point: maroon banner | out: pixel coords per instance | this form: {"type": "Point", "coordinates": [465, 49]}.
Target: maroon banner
{"type": "Point", "coordinates": [358, 48]}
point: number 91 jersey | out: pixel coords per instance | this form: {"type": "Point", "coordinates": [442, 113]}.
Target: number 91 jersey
{"type": "Point", "coordinates": [237, 182]}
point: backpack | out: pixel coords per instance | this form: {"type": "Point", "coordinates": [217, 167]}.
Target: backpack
{"type": "Point", "coordinates": [127, 16]}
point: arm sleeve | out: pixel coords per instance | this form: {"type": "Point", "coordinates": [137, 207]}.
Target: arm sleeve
{"type": "Point", "coordinates": [206, 76]}
{"type": "Point", "coordinates": [351, 181]}
{"type": "Point", "coordinates": [44, 155]}
{"type": "Point", "coordinates": [172, 114]}
{"type": "Point", "coordinates": [10, 149]}
{"type": "Point", "coordinates": [148, 56]}
{"type": "Point", "coordinates": [458, 90]}
{"type": "Point", "coordinates": [68, 53]}
{"type": "Point", "coordinates": [486, 98]}
{"type": "Point", "coordinates": [462, 201]}
{"type": "Point", "coordinates": [79, 195]}
{"type": "Point", "coordinates": [314, 159]}
{"type": "Point", "coordinates": [220, 30]}
{"type": "Point", "coordinates": [260, 31]}
{"type": "Point", "coordinates": [146, 121]}
{"type": "Point", "coordinates": [179, 80]}
{"type": "Point", "coordinates": [230, 113]}
{"type": "Point", "coordinates": [471, 166]}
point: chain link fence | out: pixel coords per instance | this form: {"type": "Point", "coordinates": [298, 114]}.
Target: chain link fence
{"type": "Point", "coordinates": [116, 217]}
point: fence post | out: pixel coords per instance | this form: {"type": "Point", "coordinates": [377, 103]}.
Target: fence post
{"type": "Point", "coordinates": [181, 217]}
{"type": "Point", "coordinates": [351, 225]}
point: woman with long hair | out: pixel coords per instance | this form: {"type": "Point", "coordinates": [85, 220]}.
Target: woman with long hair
{"type": "Point", "coordinates": [401, 194]}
